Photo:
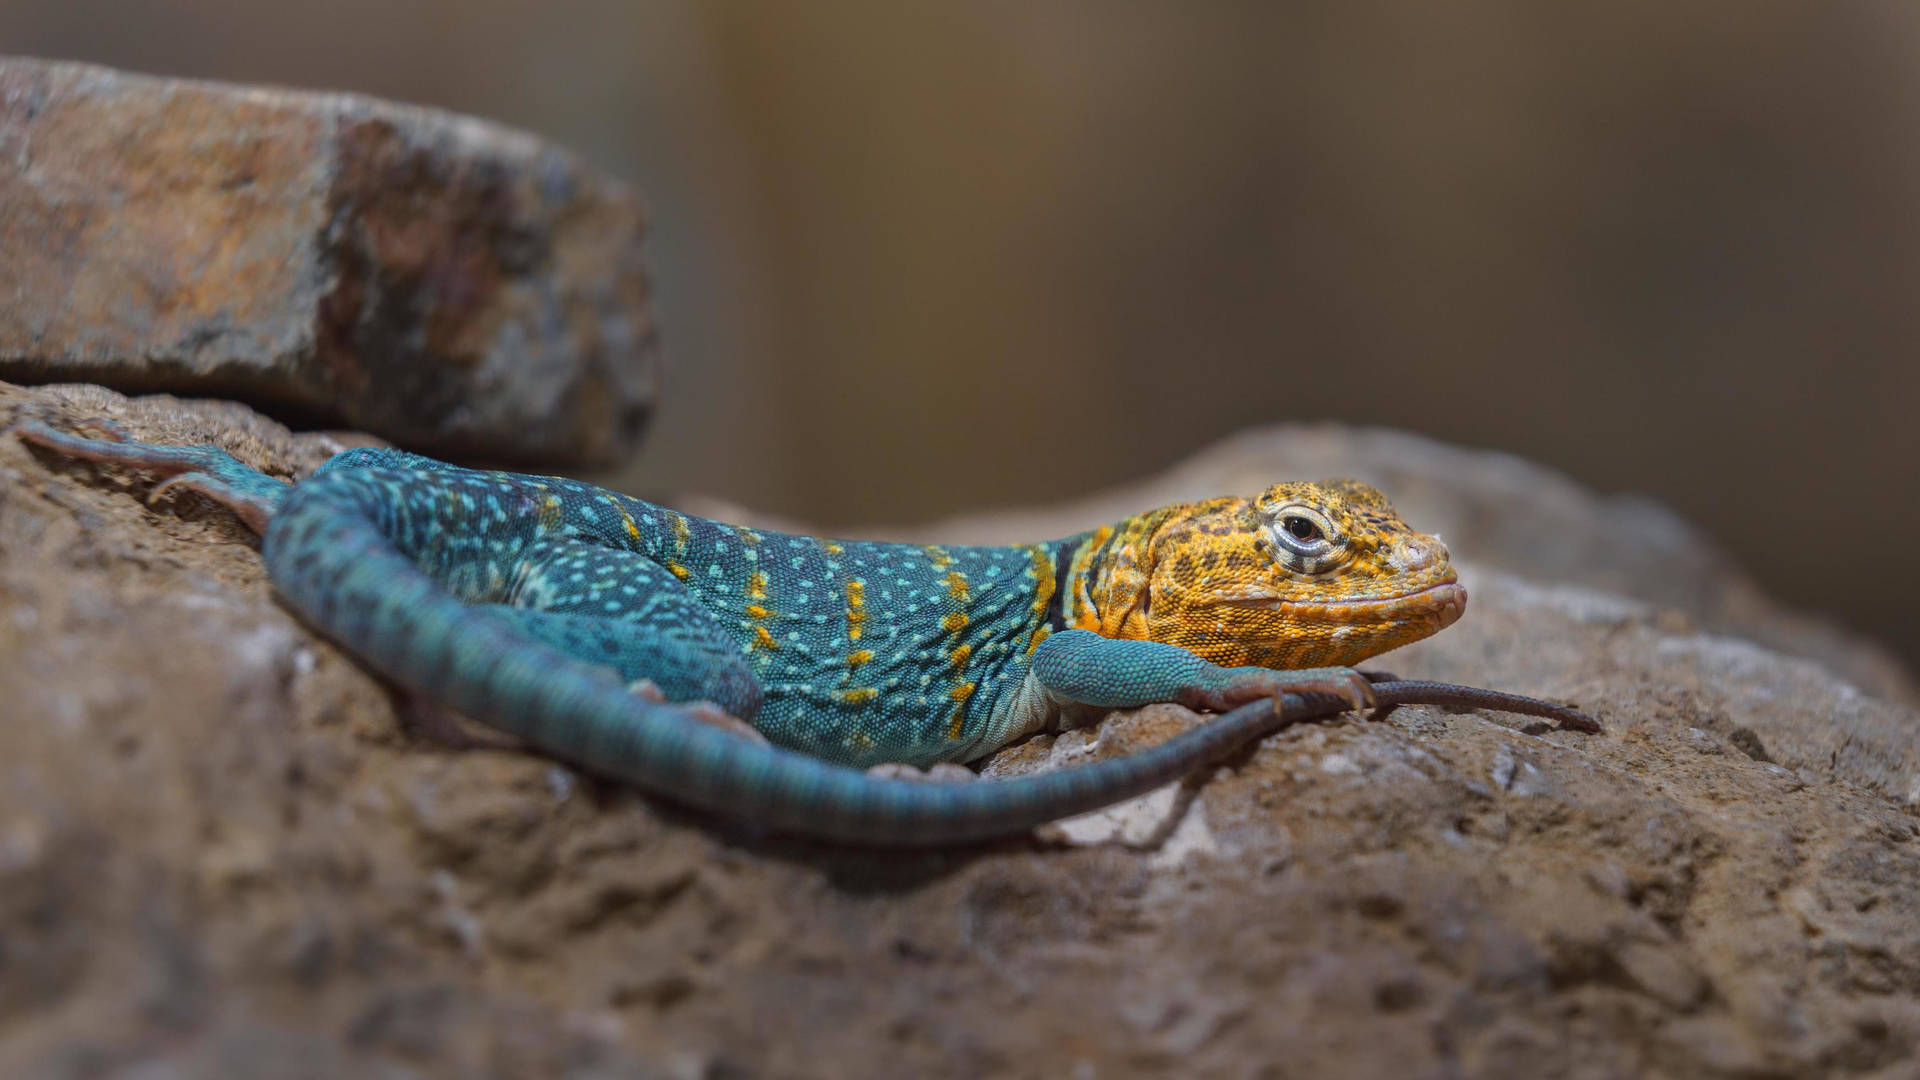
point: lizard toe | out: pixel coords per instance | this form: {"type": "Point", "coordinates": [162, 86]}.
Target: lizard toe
{"type": "Point", "coordinates": [706, 712]}
{"type": "Point", "coordinates": [1345, 685]}
{"type": "Point", "coordinates": [647, 690]}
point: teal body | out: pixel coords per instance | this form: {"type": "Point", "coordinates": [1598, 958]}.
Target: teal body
{"type": "Point", "coordinates": [850, 651]}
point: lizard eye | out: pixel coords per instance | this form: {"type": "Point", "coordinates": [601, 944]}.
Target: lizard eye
{"type": "Point", "coordinates": [1304, 540]}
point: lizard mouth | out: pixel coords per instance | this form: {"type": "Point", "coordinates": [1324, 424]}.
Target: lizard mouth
{"type": "Point", "coordinates": [1446, 602]}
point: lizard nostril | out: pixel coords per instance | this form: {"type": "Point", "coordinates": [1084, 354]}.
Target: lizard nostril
{"type": "Point", "coordinates": [1416, 554]}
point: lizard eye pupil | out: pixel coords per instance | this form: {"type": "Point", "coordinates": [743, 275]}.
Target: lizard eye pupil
{"type": "Point", "coordinates": [1301, 529]}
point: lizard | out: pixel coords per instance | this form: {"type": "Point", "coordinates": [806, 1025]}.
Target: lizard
{"type": "Point", "coordinates": [608, 631]}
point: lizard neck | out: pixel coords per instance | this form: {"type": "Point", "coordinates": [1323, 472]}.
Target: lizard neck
{"type": "Point", "coordinates": [1107, 573]}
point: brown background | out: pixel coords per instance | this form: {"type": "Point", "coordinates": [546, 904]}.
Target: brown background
{"type": "Point", "coordinates": [915, 262]}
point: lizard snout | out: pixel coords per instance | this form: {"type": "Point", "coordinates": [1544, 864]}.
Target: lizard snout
{"type": "Point", "coordinates": [1415, 553]}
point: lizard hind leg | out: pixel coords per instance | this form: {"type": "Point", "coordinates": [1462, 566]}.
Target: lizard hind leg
{"type": "Point", "coordinates": [251, 495]}
{"type": "Point", "coordinates": [658, 663]}
{"type": "Point", "coordinates": [621, 609]}
{"type": "Point", "coordinates": [707, 712]}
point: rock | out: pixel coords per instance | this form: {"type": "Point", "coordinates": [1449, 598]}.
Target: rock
{"type": "Point", "coordinates": [451, 285]}
{"type": "Point", "coordinates": [221, 850]}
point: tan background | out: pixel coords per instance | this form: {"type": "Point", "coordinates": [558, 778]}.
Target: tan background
{"type": "Point", "coordinates": [912, 263]}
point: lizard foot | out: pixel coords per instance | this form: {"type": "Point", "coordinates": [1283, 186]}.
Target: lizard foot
{"type": "Point", "coordinates": [706, 712]}
{"type": "Point", "coordinates": [1353, 690]}
{"type": "Point", "coordinates": [944, 772]}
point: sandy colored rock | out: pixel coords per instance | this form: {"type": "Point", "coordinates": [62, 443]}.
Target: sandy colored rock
{"type": "Point", "coordinates": [223, 852]}
{"type": "Point", "coordinates": [449, 284]}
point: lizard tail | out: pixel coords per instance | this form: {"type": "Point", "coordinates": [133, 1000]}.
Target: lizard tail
{"type": "Point", "coordinates": [252, 495]}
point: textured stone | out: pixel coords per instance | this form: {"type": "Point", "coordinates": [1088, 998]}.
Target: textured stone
{"type": "Point", "coordinates": [223, 852]}
{"type": "Point", "coordinates": [448, 284]}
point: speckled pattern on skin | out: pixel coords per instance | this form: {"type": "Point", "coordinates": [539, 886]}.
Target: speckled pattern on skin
{"type": "Point", "coordinates": [1218, 578]}
{"type": "Point", "coordinates": [850, 651]}
{"type": "Point", "coordinates": [539, 605]}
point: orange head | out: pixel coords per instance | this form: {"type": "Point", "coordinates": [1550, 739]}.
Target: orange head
{"type": "Point", "coordinates": [1304, 575]}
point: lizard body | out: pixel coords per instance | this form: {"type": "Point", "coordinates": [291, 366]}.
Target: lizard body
{"type": "Point", "coordinates": [539, 605]}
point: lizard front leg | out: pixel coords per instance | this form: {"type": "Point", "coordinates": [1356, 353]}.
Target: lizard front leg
{"type": "Point", "coordinates": [1079, 667]}
{"type": "Point", "coordinates": [1083, 668]}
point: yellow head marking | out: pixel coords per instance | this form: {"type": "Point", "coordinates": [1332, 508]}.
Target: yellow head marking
{"type": "Point", "coordinates": [550, 514]}
{"type": "Point", "coordinates": [958, 658]}
{"type": "Point", "coordinates": [956, 585]}
{"type": "Point", "coordinates": [757, 612]}
{"type": "Point", "coordinates": [678, 571]}
{"type": "Point", "coordinates": [859, 695]}
{"type": "Point", "coordinates": [764, 640]}
{"type": "Point", "coordinates": [682, 532]}
{"type": "Point", "coordinates": [939, 557]}
{"type": "Point", "coordinates": [1303, 575]}
{"type": "Point", "coordinates": [955, 622]}
{"type": "Point", "coordinates": [757, 585]}
{"type": "Point", "coordinates": [858, 657]}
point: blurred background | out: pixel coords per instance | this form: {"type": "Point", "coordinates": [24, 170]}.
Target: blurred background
{"type": "Point", "coordinates": [913, 260]}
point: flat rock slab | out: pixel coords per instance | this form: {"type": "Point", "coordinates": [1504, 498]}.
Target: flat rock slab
{"type": "Point", "coordinates": [223, 852]}
{"type": "Point", "coordinates": [450, 285]}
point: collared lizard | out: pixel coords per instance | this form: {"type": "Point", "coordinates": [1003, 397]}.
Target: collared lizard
{"type": "Point", "coordinates": [564, 614]}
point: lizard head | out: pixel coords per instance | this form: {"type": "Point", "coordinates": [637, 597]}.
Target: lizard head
{"type": "Point", "coordinates": [1302, 575]}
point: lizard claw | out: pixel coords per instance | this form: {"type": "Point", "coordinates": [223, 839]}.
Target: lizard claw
{"type": "Point", "coordinates": [705, 712]}
{"type": "Point", "coordinates": [647, 690]}
{"type": "Point", "coordinates": [1349, 687]}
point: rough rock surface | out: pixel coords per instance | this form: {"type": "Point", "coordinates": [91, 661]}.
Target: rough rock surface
{"type": "Point", "coordinates": [443, 282]}
{"type": "Point", "coordinates": [222, 852]}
